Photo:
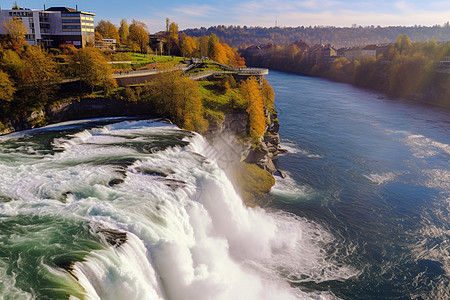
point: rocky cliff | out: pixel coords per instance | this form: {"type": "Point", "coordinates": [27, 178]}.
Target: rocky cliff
{"type": "Point", "coordinates": [262, 154]}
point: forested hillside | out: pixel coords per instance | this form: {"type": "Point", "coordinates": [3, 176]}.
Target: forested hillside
{"type": "Point", "coordinates": [241, 37]}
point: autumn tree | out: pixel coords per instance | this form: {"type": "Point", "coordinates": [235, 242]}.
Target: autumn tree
{"type": "Point", "coordinates": [173, 44]}
{"type": "Point", "coordinates": [107, 30]}
{"type": "Point", "coordinates": [403, 43]}
{"type": "Point", "coordinates": [123, 31]}
{"type": "Point", "coordinates": [212, 40]}
{"type": "Point", "coordinates": [341, 69]}
{"type": "Point", "coordinates": [178, 97]}
{"type": "Point", "coordinates": [98, 37]}
{"type": "Point", "coordinates": [408, 74]}
{"type": "Point", "coordinates": [138, 36]}
{"type": "Point", "coordinates": [173, 31]}
{"type": "Point", "coordinates": [12, 64]}
{"type": "Point", "coordinates": [39, 74]}
{"type": "Point", "coordinates": [203, 46]}
{"type": "Point", "coordinates": [251, 93]}
{"type": "Point", "coordinates": [16, 30]}
{"type": "Point", "coordinates": [268, 96]}
{"type": "Point", "coordinates": [219, 53]}
{"type": "Point", "coordinates": [364, 71]}
{"type": "Point", "coordinates": [6, 87]}
{"type": "Point", "coordinates": [92, 68]}
{"type": "Point", "coordinates": [188, 47]}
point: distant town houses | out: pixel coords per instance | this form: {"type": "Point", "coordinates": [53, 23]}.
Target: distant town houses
{"type": "Point", "coordinates": [357, 53]}
{"type": "Point", "coordinates": [106, 43]}
{"type": "Point", "coordinates": [53, 26]}
{"type": "Point", "coordinates": [325, 53]}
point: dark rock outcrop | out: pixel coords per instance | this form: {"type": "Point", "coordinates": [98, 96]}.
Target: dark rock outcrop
{"type": "Point", "coordinates": [112, 237]}
{"type": "Point", "coordinates": [269, 146]}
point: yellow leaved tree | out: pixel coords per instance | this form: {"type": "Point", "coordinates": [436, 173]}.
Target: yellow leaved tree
{"type": "Point", "coordinates": [16, 30]}
{"type": "Point", "coordinates": [178, 98]}
{"type": "Point", "coordinates": [92, 68]}
{"type": "Point", "coordinates": [252, 94]}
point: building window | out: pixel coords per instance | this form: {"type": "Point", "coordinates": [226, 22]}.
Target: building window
{"type": "Point", "coordinates": [71, 27]}
{"type": "Point", "coordinates": [70, 15]}
{"type": "Point", "coordinates": [70, 21]}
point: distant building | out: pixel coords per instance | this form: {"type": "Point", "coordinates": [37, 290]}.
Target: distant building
{"type": "Point", "coordinates": [357, 53]}
{"type": "Point", "coordinates": [106, 44]}
{"type": "Point", "coordinates": [54, 26]}
{"type": "Point", "coordinates": [157, 41]}
{"type": "Point", "coordinates": [41, 25]}
{"type": "Point", "coordinates": [321, 54]}
{"type": "Point", "coordinates": [77, 26]}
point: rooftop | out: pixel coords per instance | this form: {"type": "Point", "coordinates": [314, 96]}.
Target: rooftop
{"type": "Point", "coordinates": [67, 10]}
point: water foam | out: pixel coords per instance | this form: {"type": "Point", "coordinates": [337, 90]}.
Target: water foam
{"type": "Point", "coordinates": [381, 178]}
{"type": "Point", "coordinates": [292, 147]}
{"type": "Point", "coordinates": [420, 145]}
{"type": "Point", "coordinates": [288, 188]}
{"type": "Point", "coordinates": [434, 246]}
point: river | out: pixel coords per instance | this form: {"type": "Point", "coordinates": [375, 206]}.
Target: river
{"type": "Point", "coordinates": [375, 173]}
{"type": "Point", "coordinates": [124, 208]}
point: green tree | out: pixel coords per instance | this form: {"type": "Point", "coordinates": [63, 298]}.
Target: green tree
{"type": "Point", "coordinates": [123, 31]}
{"type": "Point", "coordinates": [212, 40]}
{"type": "Point", "coordinates": [403, 43]}
{"type": "Point", "coordinates": [203, 46]}
{"type": "Point", "coordinates": [93, 69]}
{"type": "Point", "coordinates": [138, 36]}
{"type": "Point", "coordinates": [408, 74]}
{"type": "Point", "coordinates": [364, 74]}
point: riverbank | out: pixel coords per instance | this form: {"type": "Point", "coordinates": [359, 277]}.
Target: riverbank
{"type": "Point", "coordinates": [417, 71]}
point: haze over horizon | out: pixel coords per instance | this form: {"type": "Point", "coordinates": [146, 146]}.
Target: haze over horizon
{"type": "Point", "coordinates": [264, 13]}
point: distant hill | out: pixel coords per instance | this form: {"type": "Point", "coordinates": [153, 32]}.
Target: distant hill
{"type": "Point", "coordinates": [241, 37]}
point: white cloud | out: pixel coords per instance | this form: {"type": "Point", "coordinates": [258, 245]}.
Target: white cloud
{"type": "Point", "coordinates": [402, 5]}
{"type": "Point", "coordinates": [196, 10]}
{"type": "Point", "coordinates": [314, 4]}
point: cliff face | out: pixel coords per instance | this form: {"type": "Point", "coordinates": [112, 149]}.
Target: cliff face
{"type": "Point", "coordinates": [76, 109]}
{"type": "Point", "coordinates": [269, 148]}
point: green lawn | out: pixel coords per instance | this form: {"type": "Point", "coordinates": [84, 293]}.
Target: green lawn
{"type": "Point", "coordinates": [204, 68]}
{"type": "Point", "coordinates": [218, 102]}
{"type": "Point", "coordinates": [151, 58]}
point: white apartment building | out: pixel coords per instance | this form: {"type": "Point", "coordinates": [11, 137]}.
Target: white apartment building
{"type": "Point", "coordinates": [54, 26]}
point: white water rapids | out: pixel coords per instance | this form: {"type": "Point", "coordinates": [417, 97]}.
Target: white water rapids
{"type": "Point", "coordinates": [188, 233]}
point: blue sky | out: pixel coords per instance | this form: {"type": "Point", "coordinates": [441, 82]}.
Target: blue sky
{"type": "Point", "coordinates": [198, 13]}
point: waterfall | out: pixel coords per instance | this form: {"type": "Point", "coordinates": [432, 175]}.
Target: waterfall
{"type": "Point", "coordinates": [171, 223]}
